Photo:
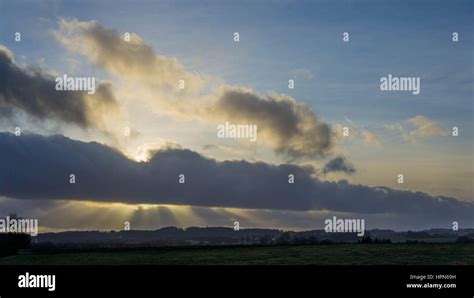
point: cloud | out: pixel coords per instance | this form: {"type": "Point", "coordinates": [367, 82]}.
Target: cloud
{"type": "Point", "coordinates": [34, 93]}
{"type": "Point", "coordinates": [42, 166]}
{"type": "Point", "coordinates": [339, 164]}
{"type": "Point", "coordinates": [421, 127]}
{"type": "Point", "coordinates": [210, 147]}
{"type": "Point", "coordinates": [133, 60]}
{"type": "Point", "coordinates": [426, 127]}
{"type": "Point", "coordinates": [289, 127]}
{"type": "Point", "coordinates": [370, 138]}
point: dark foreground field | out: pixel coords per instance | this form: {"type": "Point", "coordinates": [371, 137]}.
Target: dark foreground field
{"type": "Point", "coordinates": [335, 254]}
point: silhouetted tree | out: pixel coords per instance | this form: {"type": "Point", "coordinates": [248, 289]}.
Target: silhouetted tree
{"type": "Point", "coordinates": [10, 243]}
{"type": "Point", "coordinates": [365, 240]}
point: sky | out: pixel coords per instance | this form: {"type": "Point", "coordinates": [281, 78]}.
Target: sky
{"type": "Point", "coordinates": [171, 131]}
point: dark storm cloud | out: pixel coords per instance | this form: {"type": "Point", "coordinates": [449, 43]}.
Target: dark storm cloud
{"type": "Point", "coordinates": [34, 93]}
{"type": "Point", "coordinates": [338, 164]}
{"type": "Point", "coordinates": [38, 167]}
{"type": "Point", "coordinates": [290, 127]}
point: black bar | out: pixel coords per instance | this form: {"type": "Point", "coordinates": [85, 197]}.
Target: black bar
{"type": "Point", "coordinates": [221, 281]}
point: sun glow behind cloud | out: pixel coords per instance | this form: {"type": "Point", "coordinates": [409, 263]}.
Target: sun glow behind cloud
{"type": "Point", "coordinates": [89, 215]}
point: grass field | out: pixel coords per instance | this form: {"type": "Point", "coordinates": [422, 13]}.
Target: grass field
{"type": "Point", "coordinates": [336, 254]}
